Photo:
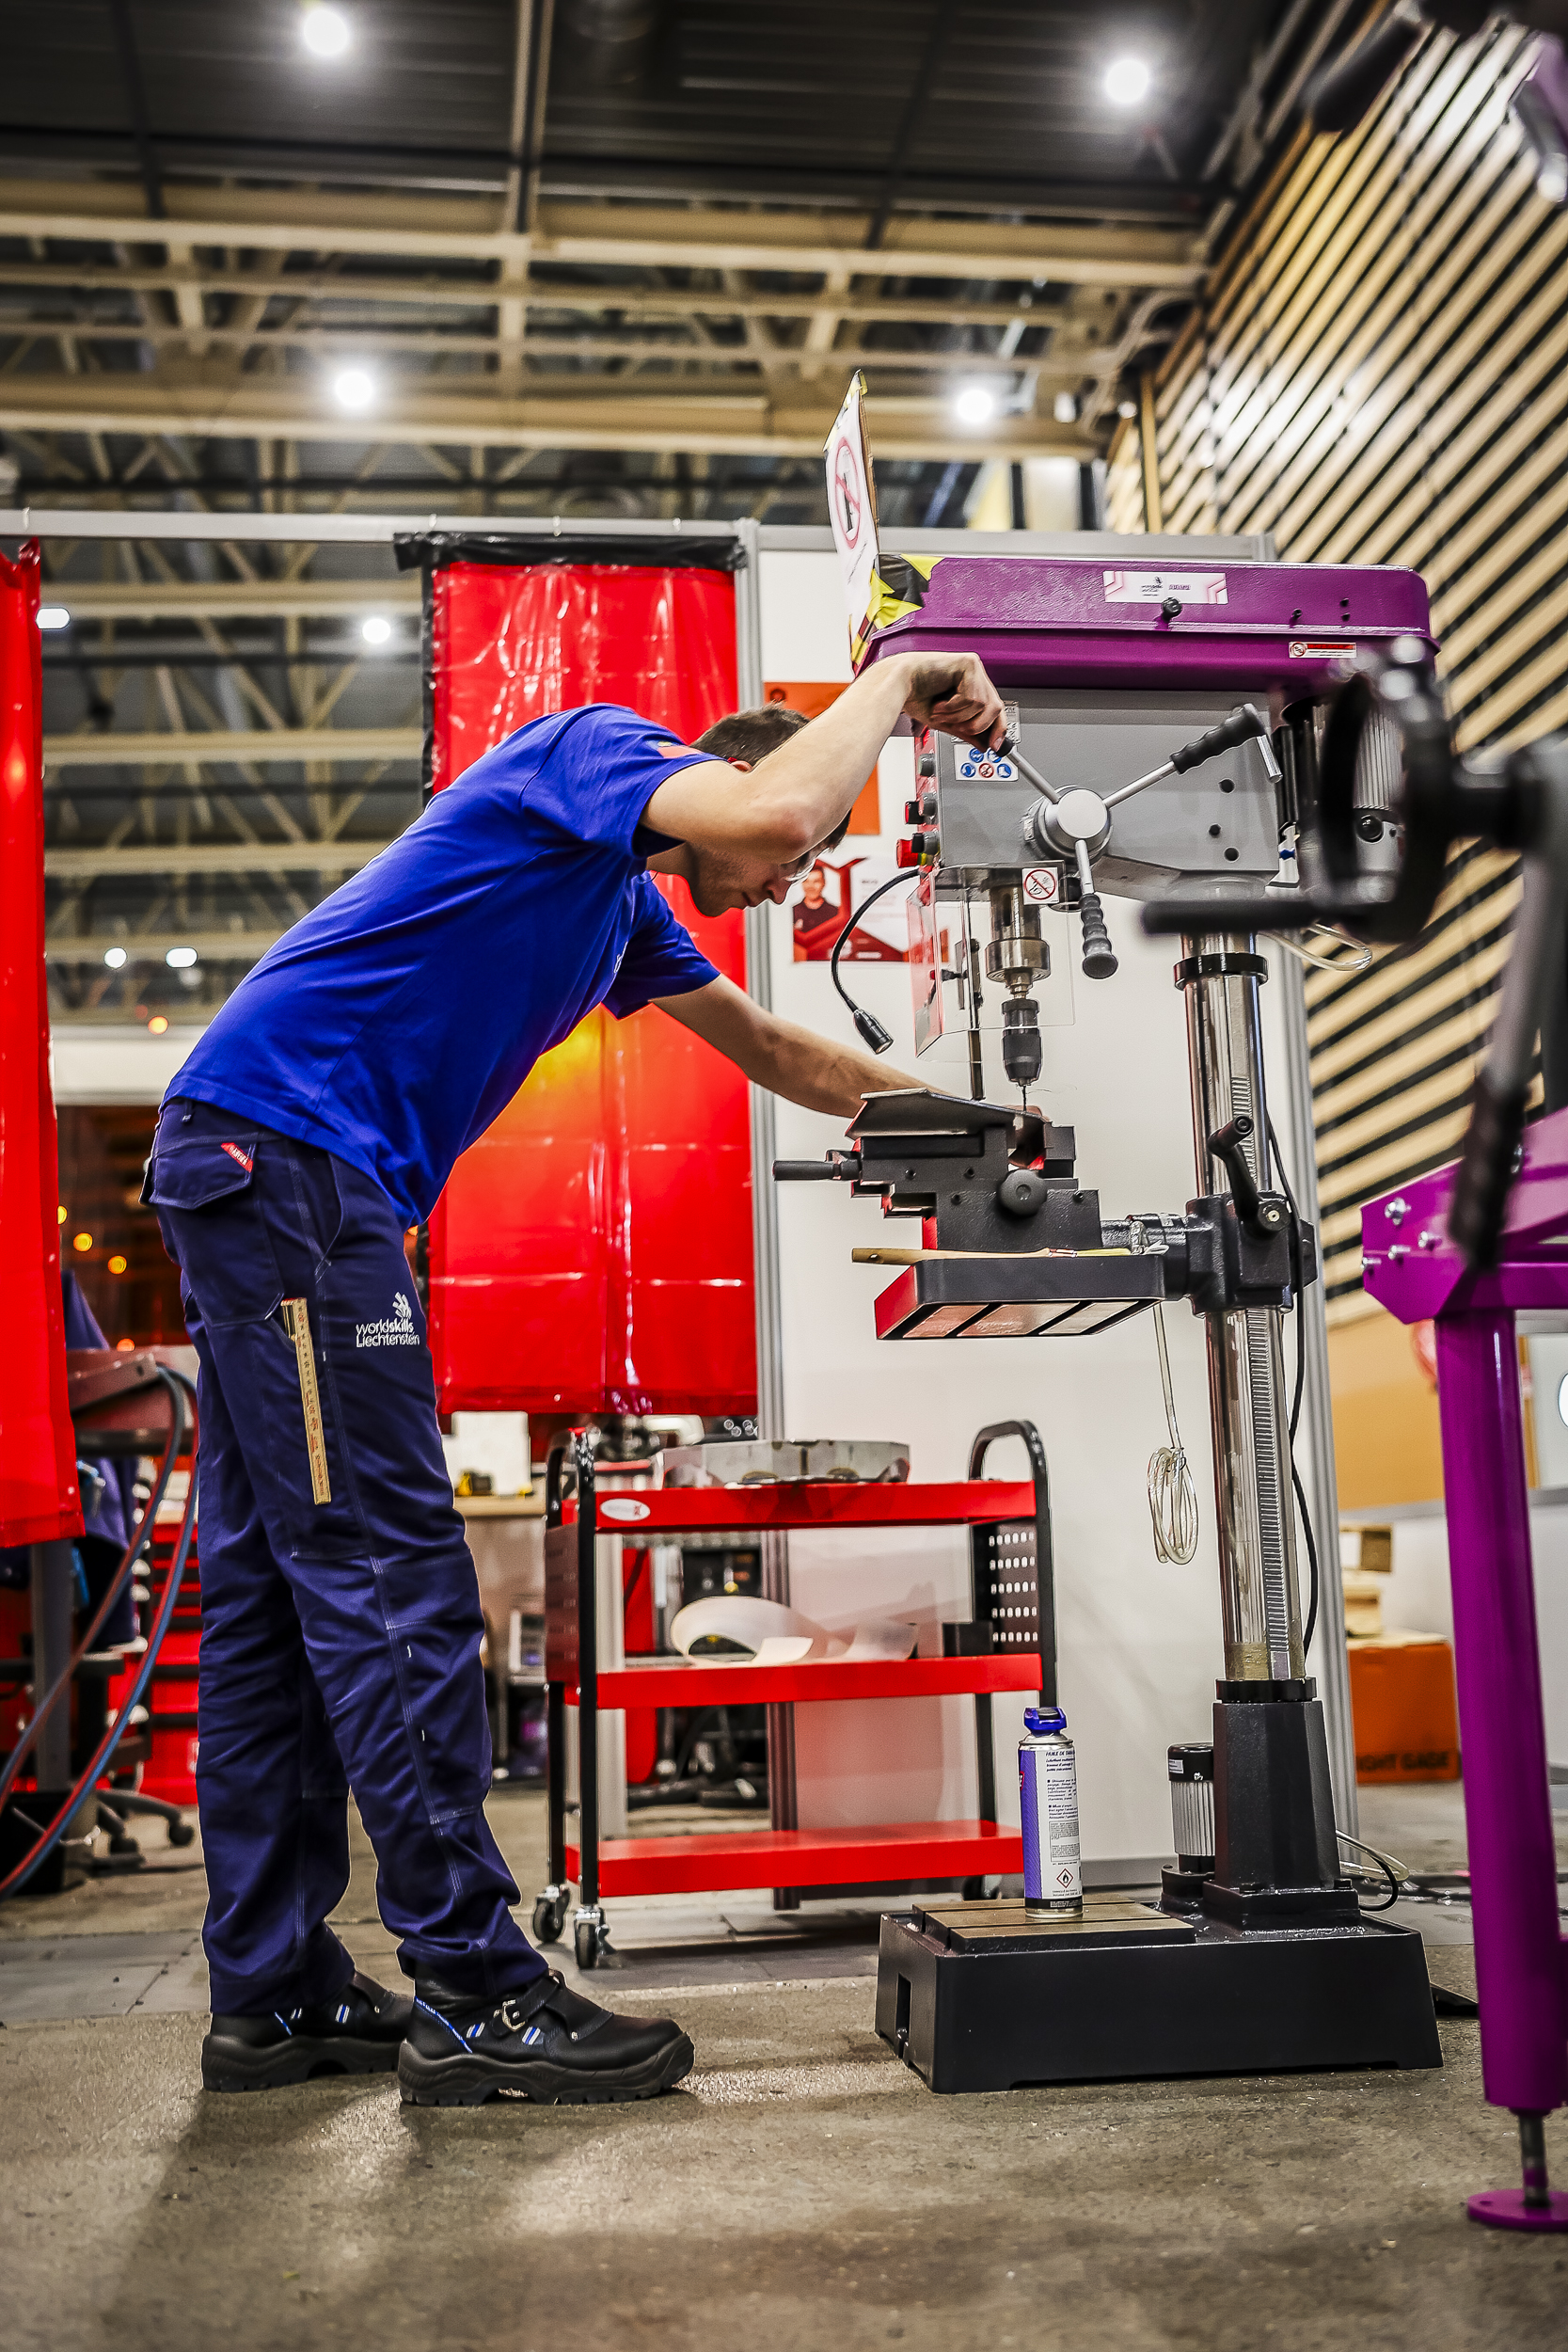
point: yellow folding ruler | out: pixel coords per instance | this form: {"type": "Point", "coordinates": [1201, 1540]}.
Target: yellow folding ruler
{"type": "Point", "coordinates": [296, 1322]}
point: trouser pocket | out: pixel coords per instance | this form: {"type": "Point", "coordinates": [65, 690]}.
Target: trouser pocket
{"type": "Point", "coordinates": [209, 1208]}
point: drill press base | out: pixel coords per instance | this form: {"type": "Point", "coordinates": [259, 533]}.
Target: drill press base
{"type": "Point", "coordinates": [974, 1996]}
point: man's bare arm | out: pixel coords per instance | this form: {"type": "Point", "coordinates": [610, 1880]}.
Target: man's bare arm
{"type": "Point", "coordinates": [799, 793]}
{"type": "Point", "coordinates": [780, 1055]}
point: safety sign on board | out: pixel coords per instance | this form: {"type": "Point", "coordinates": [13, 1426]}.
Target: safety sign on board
{"type": "Point", "coordinates": [1042, 884]}
{"type": "Point", "coordinates": [984, 767]}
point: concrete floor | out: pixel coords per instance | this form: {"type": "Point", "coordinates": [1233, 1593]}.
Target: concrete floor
{"type": "Point", "coordinates": [804, 2186]}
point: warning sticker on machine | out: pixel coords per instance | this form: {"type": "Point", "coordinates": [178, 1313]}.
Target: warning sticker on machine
{"type": "Point", "coordinates": [1154, 587]}
{"type": "Point", "coordinates": [1322, 649]}
{"type": "Point", "coordinates": [1042, 884]}
{"type": "Point", "coordinates": [985, 768]}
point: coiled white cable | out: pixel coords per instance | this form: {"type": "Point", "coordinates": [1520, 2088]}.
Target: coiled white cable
{"type": "Point", "coordinates": [1172, 1497]}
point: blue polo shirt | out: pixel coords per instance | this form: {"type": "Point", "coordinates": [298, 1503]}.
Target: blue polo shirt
{"type": "Point", "coordinates": [395, 1021]}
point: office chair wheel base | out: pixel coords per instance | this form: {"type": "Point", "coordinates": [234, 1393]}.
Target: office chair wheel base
{"type": "Point", "coordinates": [182, 1833]}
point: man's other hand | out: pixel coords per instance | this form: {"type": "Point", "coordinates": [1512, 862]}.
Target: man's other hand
{"type": "Point", "coordinates": [952, 692]}
{"type": "Point", "coordinates": [818, 1073]}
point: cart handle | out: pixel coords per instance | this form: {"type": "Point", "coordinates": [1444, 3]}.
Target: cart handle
{"type": "Point", "coordinates": [1045, 1564]}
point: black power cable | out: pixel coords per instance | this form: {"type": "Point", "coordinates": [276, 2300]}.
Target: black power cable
{"type": "Point", "coordinates": [871, 1029]}
{"type": "Point", "coordinates": [1394, 1872]}
{"type": "Point", "coordinates": [1311, 1625]}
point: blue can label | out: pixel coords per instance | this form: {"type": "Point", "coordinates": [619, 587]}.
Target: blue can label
{"type": "Point", "coordinates": [1048, 1800]}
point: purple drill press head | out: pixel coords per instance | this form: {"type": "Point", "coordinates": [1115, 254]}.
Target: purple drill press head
{"type": "Point", "coordinates": [1190, 621]}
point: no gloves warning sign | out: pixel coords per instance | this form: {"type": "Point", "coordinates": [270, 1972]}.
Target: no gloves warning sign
{"type": "Point", "coordinates": [852, 507]}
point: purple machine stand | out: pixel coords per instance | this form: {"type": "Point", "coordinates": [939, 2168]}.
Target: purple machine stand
{"type": "Point", "coordinates": [1413, 1270]}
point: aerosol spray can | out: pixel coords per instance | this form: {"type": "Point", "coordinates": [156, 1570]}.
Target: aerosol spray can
{"type": "Point", "coordinates": [1048, 1792]}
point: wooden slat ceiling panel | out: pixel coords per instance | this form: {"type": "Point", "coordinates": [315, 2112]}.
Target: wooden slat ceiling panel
{"type": "Point", "coordinates": [1379, 375]}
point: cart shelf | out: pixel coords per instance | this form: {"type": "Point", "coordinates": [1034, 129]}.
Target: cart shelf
{"type": "Point", "coordinates": [1008, 1525]}
{"type": "Point", "coordinates": [691, 1510]}
{"type": "Point", "coordinates": [893, 1851]}
{"type": "Point", "coordinates": [726, 1682]}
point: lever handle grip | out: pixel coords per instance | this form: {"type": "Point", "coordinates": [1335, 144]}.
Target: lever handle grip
{"type": "Point", "coordinates": [840, 1169]}
{"type": "Point", "coordinates": [1225, 1145]}
{"type": "Point", "coordinates": [1240, 727]}
{"type": "Point", "coordinates": [1100, 959]}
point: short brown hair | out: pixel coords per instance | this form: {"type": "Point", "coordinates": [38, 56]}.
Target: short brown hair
{"type": "Point", "coordinates": [751, 735]}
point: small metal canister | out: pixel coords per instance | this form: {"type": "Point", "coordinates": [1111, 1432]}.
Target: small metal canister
{"type": "Point", "coordinates": [1048, 1797]}
{"type": "Point", "coordinates": [1191, 1806]}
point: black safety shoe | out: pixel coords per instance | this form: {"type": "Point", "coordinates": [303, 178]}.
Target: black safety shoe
{"type": "Point", "coordinates": [358, 2033]}
{"type": "Point", "coordinates": [546, 2043]}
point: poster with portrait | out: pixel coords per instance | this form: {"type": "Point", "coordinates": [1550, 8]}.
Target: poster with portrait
{"type": "Point", "coordinates": [826, 900]}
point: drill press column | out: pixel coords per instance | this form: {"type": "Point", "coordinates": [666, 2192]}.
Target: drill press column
{"type": "Point", "coordinates": [1220, 976]}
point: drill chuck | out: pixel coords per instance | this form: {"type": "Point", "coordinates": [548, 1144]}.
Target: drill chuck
{"type": "Point", "coordinates": [1022, 1053]}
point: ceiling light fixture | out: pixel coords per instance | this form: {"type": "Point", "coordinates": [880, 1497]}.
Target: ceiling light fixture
{"type": "Point", "coordinates": [375, 631]}
{"type": "Point", "coordinates": [180, 959]}
{"type": "Point", "coordinates": [324, 32]}
{"type": "Point", "coordinates": [1127, 81]}
{"type": "Point", "coordinates": [1065, 408]}
{"type": "Point", "coordinates": [115, 958]}
{"type": "Point", "coordinates": [354, 387]}
{"type": "Point", "coordinates": [53, 616]}
{"type": "Point", "coordinates": [974, 405]}
{"type": "Point", "coordinates": [1127, 407]}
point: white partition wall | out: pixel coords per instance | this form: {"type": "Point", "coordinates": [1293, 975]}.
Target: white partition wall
{"type": "Point", "coordinates": [1139, 1643]}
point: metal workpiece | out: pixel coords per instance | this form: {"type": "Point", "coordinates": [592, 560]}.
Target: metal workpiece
{"type": "Point", "coordinates": [1220, 975]}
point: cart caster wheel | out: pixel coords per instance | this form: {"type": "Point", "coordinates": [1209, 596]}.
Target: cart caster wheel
{"type": "Point", "coordinates": [182, 1834]}
{"type": "Point", "coordinates": [549, 1916]}
{"type": "Point", "coordinates": [588, 1938]}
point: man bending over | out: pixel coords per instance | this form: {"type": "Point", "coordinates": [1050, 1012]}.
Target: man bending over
{"type": "Point", "coordinates": [317, 1120]}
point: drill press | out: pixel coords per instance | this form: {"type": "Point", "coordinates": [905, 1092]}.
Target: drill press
{"type": "Point", "coordinates": [1161, 729]}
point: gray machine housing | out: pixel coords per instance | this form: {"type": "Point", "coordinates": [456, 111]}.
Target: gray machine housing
{"type": "Point", "coordinates": [1219, 821]}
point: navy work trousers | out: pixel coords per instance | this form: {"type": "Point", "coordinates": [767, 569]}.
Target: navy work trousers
{"type": "Point", "coordinates": [339, 1638]}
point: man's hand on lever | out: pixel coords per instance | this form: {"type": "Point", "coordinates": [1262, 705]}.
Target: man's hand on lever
{"type": "Point", "coordinates": [789, 1060]}
{"type": "Point", "coordinates": [952, 693]}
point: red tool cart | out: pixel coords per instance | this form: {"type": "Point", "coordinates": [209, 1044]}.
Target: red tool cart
{"type": "Point", "coordinates": [1010, 1568]}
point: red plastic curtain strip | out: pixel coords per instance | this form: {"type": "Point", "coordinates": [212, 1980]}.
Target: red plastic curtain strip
{"type": "Point", "coordinates": [593, 1251]}
{"type": "Point", "coordinates": [38, 1499]}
